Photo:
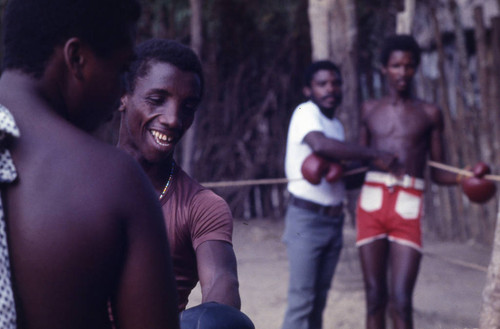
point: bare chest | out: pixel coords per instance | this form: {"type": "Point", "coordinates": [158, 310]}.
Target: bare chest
{"type": "Point", "coordinates": [408, 124]}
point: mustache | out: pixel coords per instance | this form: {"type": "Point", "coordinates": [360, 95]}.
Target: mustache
{"type": "Point", "coordinates": [337, 97]}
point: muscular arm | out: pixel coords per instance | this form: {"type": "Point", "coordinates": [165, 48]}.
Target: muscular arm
{"type": "Point", "coordinates": [335, 149]}
{"type": "Point", "coordinates": [436, 153]}
{"type": "Point", "coordinates": [146, 295]}
{"type": "Point", "coordinates": [217, 273]}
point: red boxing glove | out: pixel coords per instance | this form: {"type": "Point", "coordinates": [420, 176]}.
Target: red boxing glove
{"type": "Point", "coordinates": [480, 169]}
{"type": "Point", "coordinates": [334, 172]}
{"type": "Point", "coordinates": [478, 190]}
{"type": "Point", "coordinates": [314, 168]}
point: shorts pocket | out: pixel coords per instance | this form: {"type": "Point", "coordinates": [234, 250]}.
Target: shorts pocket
{"type": "Point", "coordinates": [371, 198]}
{"type": "Point", "coordinates": [408, 205]}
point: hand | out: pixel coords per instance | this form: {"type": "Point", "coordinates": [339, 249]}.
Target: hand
{"type": "Point", "coordinates": [387, 162]}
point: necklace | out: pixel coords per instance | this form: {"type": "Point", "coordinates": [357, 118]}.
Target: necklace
{"type": "Point", "coordinates": [168, 181]}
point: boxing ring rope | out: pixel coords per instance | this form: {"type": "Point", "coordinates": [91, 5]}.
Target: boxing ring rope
{"type": "Point", "coordinates": [272, 181]}
{"type": "Point", "coordinates": [463, 172]}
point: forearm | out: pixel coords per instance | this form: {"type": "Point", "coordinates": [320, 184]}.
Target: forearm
{"type": "Point", "coordinates": [339, 150]}
{"type": "Point", "coordinates": [443, 177]}
{"type": "Point", "coordinates": [223, 289]}
{"type": "Point", "coordinates": [217, 270]}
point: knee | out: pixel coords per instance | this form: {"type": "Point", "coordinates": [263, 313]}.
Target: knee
{"type": "Point", "coordinates": [401, 305]}
{"type": "Point", "coordinates": [376, 299]}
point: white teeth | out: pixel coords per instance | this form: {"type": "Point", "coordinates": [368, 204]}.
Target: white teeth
{"type": "Point", "coordinates": [161, 138]}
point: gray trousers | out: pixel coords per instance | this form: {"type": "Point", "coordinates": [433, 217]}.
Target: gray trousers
{"type": "Point", "coordinates": [313, 244]}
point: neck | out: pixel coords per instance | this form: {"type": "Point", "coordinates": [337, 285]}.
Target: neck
{"type": "Point", "coordinates": [398, 97]}
{"type": "Point", "coordinates": [18, 88]}
{"type": "Point", "coordinates": [158, 173]}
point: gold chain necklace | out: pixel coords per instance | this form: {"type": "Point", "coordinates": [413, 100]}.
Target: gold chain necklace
{"type": "Point", "coordinates": [168, 181]}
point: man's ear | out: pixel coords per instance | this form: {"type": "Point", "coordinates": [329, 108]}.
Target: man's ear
{"type": "Point", "coordinates": [306, 91]}
{"type": "Point", "coordinates": [123, 103]}
{"type": "Point", "coordinates": [74, 57]}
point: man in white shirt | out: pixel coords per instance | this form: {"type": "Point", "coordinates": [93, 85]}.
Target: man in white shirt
{"type": "Point", "coordinates": [314, 219]}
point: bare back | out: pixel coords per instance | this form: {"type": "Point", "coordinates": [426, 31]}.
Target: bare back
{"type": "Point", "coordinates": [409, 129]}
{"type": "Point", "coordinates": [84, 227]}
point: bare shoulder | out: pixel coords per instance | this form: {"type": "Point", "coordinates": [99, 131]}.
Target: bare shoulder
{"type": "Point", "coordinates": [369, 106]}
{"type": "Point", "coordinates": [432, 111]}
{"type": "Point", "coordinates": [114, 176]}
{"type": "Point", "coordinates": [88, 175]}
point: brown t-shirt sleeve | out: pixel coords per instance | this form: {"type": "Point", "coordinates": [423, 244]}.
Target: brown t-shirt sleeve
{"type": "Point", "coordinates": [211, 219]}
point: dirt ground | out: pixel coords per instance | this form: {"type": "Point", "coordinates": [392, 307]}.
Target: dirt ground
{"type": "Point", "coordinates": [447, 294]}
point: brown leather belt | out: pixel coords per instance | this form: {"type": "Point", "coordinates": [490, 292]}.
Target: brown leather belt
{"type": "Point", "coordinates": [317, 208]}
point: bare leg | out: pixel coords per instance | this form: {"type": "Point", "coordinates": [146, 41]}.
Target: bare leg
{"type": "Point", "coordinates": [374, 260]}
{"type": "Point", "coordinates": [405, 263]}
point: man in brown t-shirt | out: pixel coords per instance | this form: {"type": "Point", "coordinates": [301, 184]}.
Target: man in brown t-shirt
{"type": "Point", "coordinates": [162, 91]}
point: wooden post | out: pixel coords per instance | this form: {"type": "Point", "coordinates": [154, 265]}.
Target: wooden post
{"type": "Point", "coordinates": [404, 20]}
{"type": "Point", "coordinates": [483, 68]}
{"type": "Point", "coordinates": [450, 127]}
{"type": "Point", "coordinates": [495, 87]}
{"type": "Point", "coordinates": [319, 12]}
{"type": "Point", "coordinates": [188, 141]}
{"type": "Point", "coordinates": [490, 312]}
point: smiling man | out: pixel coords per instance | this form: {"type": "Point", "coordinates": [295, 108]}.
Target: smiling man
{"type": "Point", "coordinates": [390, 206]}
{"type": "Point", "coordinates": [314, 218]}
{"type": "Point", "coordinates": [163, 89]}
{"type": "Point", "coordinates": [78, 245]}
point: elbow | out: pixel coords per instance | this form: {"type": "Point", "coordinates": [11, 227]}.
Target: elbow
{"type": "Point", "coordinates": [225, 290]}
{"type": "Point", "coordinates": [317, 148]}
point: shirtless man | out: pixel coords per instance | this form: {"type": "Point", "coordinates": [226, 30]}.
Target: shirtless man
{"type": "Point", "coordinates": [390, 205]}
{"type": "Point", "coordinates": [162, 91]}
{"type": "Point", "coordinates": [83, 223]}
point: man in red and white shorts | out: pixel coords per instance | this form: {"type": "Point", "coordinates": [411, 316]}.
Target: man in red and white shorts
{"type": "Point", "coordinates": [390, 208]}
{"type": "Point", "coordinates": [390, 204]}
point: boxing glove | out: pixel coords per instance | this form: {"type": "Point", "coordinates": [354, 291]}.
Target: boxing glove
{"type": "Point", "coordinates": [478, 190]}
{"type": "Point", "coordinates": [480, 169]}
{"type": "Point", "coordinates": [314, 168]}
{"type": "Point", "coordinates": [334, 172]}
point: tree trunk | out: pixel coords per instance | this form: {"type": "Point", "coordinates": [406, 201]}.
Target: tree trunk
{"type": "Point", "coordinates": [490, 312]}
{"type": "Point", "coordinates": [495, 87]}
{"type": "Point", "coordinates": [333, 36]}
{"type": "Point", "coordinates": [188, 142]}
{"type": "Point", "coordinates": [483, 73]}
{"type": "Point", "coordinates": [404, 20]}
{"type": "Point", "coordinates": [319, 20]}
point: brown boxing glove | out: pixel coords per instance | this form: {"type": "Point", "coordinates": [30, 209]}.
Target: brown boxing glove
{"type": "Point", "coordinates": [480, 169]}
{"type": "Point", "coordinates": [314, 168]}
{"type": "Point", "coordinates": [478, 190]}
{"type": "Point", "coordinates": [334, 172]}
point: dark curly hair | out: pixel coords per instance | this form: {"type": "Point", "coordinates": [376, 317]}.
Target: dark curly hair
{"type": "Point", "coordinates": [318, 66]}
{"type": "Point", "coordinates": [163, 51]}
{"type": "Point", "coordinates": [402, 42]}
{"type": "Point", "coordinates": [33, 28]}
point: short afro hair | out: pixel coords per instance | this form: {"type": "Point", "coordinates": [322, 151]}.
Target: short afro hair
{"type": "Point", "coordinates": [34, 28]}
{"type": "Point", "coordinates": [161, 51]}
{"type": "Point", "coordinates": [318, 66]}
{"type": "Point", "coordinates": [401, 42]}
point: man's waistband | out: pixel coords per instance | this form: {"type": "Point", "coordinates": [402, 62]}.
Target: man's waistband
{"type": "Point", "coordinates": [332, 211]}
{"type": "Point", "coordinates": [389, 180]}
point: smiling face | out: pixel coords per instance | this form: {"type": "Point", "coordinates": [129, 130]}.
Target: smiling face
{"type": "Point", "coordinates": [158, 112]}
{"type": "Point", "coordinates": [325, 91]}
{"type": "Point", "coordinates": [399, 71]}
